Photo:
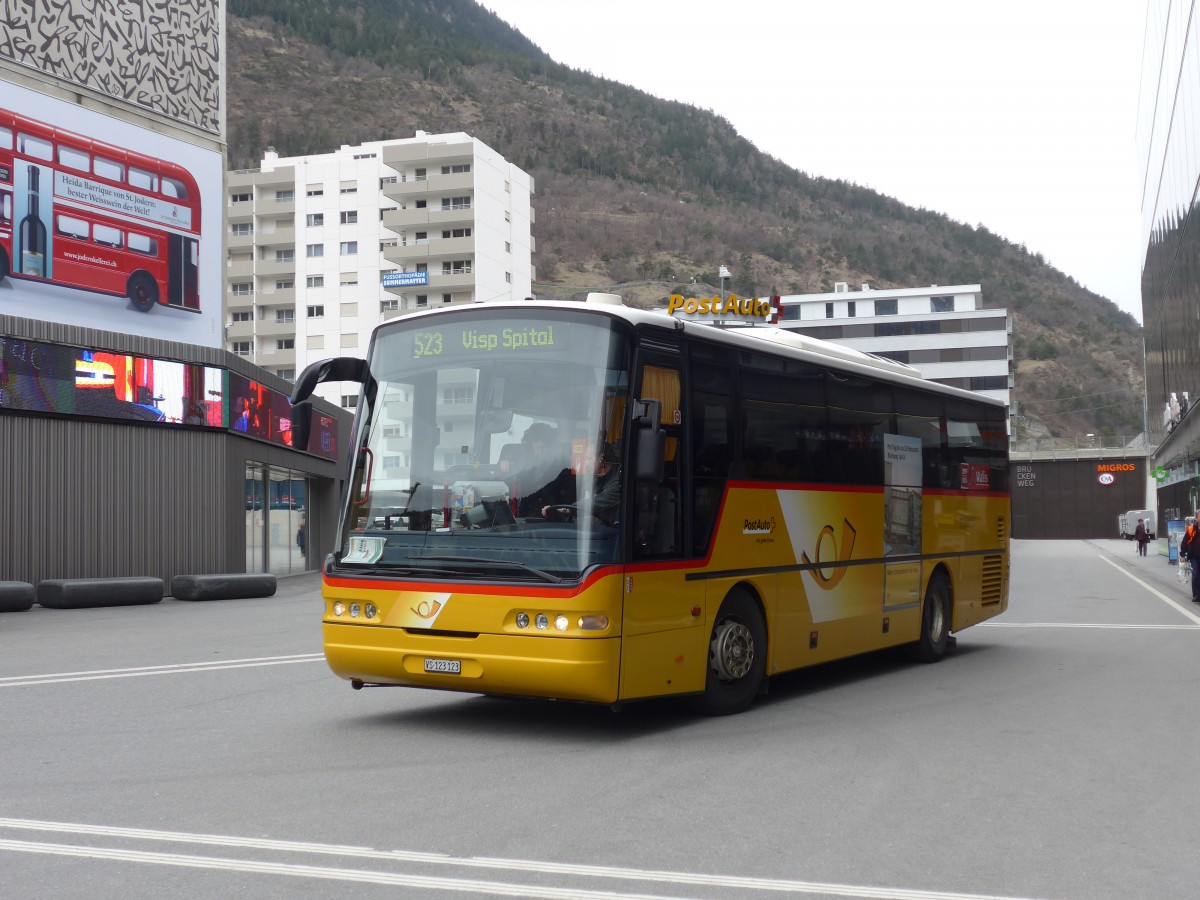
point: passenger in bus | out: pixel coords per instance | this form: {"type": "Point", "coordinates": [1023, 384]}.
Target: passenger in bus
{"type": "Point", "coordinates": [546, 478]}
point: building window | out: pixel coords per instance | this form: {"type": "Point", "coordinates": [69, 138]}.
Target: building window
{"type": "Point", "coordinates": [314, 220]}
{"type": "Point", "coordinates": [421, 237]}
{"type": "Point", "coordinates": [286, 374]}
{"type": "Point", "coordinates": [284, 284]}
{"type": "Point", "coordinates": [447, 298]}
{"type": "Point", "coordinates": [349, 401]}
{"type": "Point", "coordinates": [456, 267]}
{"type": "Point", "coordinates": [285, 256]}
{"type": "Point", "coordinates": [285, 196]}
{"type": "Point", "coordinates": [456, 169]}
{"type": "Point", "coordinates": [285, 344]}
{"type": "Point", "coordinates": [241, 229]}
{"type": "Point", "coordinates": [829, 310]}
{"type": "Point", "coordinates": [422, 267]}
{"type": "Point", "coordinates": [349, 279]}
{"type": "Point", "coordinates": [507, 247]}
{"type": "Point", "coordinates": [941, 304]}
{"type": "Point", "coordinates": [246, 316]}
{"type": "Point", "coordinates": [285, 316]}
{"type": "Point", "coordinates": [420, 204]}
{"type": "Point", "coordinates": [387, 180]}
{"type": "Point", "coordinates": [850, 308]}
{"type": "Point", "coordinates": [244, 289]}
{"type": "Point", "coordinates": [419, 175]}
{"type": "Point", "coordinates": [350, 217]}
{"type": "Point", "coordinates": [364, 155]}
{"type": "Point", "coordinates": [389, 304]}
{"type": "Point", "coordinates": [315, 192]}
{"type": "Point", "coordinates": [349, 248]}
{"type": "Point", "coordinates": [243, 348]}
{"type": "Point", "coordinates": [384, 245]}
{"type": "Point", "coordinates": [240, 198]}
{"type": "Point", "coordinates": [314, 250]}
{"type": "Point", "coordinates": [456, 203]}
{"type": "Point", "coordinates": [422, 299]}
{"type": "Point", "coordinates": [989, 383]}
{"type": "Point", "coordinates": [508, 277]}
{"type": "Point", "coordinates": [887, 307]}
{"type": "Point", "coordinates": [315, 281]}
{"type": "Point", "coordinates": [316, 312]}
{"type": "Point", "coordinates": [351, 189]}
{"type": "Point", "coordinates": [457, 233]}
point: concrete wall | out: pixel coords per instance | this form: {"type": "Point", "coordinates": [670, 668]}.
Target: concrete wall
{"type": "Point", "coordinates": [1071, 498]}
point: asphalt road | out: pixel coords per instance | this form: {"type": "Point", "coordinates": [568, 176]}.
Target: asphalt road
{"type": "Point", "coordinates": [204, 750]}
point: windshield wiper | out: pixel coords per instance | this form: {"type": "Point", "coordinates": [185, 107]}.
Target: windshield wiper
{"type": "Point", "coordinates": [477, 561]}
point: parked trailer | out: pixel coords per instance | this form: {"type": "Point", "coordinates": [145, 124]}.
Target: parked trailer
{"type": "Point", "coordinates": [1127, 523]}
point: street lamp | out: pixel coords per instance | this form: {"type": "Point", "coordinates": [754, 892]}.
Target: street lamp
{"type": "Point", "coordinates": [723, 274]}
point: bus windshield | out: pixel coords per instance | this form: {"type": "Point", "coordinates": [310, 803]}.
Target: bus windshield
{"type": "Point", "coordinates": [482, 441]}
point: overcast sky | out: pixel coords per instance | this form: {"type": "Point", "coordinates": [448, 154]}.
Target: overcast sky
{"type": "Point", "coordinates": [1017, 114]}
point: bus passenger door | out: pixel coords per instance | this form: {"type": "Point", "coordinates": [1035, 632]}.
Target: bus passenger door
{"type": "Point", "coordinates": [665, 645]}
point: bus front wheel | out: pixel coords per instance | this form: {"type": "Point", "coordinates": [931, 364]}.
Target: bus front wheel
{"type": "Point", "coordinates": [935, 622]}
{"type": "Point", "coordinates": [143, 292]}
{"type": "Point", "coordinates": [737, 657]}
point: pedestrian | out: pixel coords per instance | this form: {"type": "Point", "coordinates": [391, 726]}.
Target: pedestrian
{"type": "Point", "coordinates": [1189, 549]}
{"type": "Point", "coordinates": [1142, 536]}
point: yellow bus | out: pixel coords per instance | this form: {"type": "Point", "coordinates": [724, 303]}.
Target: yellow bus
{"type": "Point", "coordinates": [783, 502]}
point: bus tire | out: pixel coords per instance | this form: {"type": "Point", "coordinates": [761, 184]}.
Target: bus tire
{"type": "Point", "coordinates": [143, 292]}
{"type": "Point", "coordinates": [737, 657]}
{"type": "Point", "coordinates": [934, 641]}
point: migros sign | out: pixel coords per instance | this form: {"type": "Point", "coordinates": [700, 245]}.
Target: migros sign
{"type": "Point", "coordinates": [719, 307]}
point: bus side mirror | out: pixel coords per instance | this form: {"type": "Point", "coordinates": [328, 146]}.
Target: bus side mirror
{"type": "Point", "coordinates": [649, 450]}
{"type": "Point", "coordinates": [344, 368]}
{"type": "Point", "coordinates": [301, 424]}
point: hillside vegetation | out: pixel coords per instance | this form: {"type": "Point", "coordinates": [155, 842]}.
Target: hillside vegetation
{"type": "Point", "coordinates": [641, 195]}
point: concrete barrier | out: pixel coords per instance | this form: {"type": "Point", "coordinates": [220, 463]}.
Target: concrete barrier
{"type": "Point", "coordinates": [15, 596]}
{"type": "Point", "coordinates": [234, 586]}
{"type": "Point", "coordinates": [81, 593]}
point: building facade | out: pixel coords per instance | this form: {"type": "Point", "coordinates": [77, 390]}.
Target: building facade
{"type": "Point", "coordinates": [1168, 144]}
{"type": "Point", "coordinates": [943, 332]}
{"type": "Point", "coordinates": [323, 248]}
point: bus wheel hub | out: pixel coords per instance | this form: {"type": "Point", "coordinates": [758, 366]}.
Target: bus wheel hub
{"type": "Point", "coordinates": [732, 651]}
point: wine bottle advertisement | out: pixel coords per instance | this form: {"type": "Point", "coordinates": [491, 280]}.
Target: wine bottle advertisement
{"type": "Point", "coordinates": [107, 222]}
{"type": "Point", "coordinates": [32, 251]}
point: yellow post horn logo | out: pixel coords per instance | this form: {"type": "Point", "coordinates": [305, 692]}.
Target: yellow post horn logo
{"type": "Point", "coordinates": [840, 555]}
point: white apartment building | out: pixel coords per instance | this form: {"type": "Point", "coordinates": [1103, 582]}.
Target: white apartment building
{"type": "Point", "coordinates": [321, 249]}
{"type": "Point", "coordinates": [943, 332]}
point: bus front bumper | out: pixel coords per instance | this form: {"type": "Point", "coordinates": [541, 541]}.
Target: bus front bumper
{"type": "Point", "coordinates": [535, 666]}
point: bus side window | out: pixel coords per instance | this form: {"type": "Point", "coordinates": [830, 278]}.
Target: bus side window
{"type": "Point", "coordinates": [142, 244]}
{"type": "Point", "coordinates": [69, 226]}
{"type": "Point", "coordinates": [74, 159]}
{"type": "Point", "coordinates": [140, 178]}
{"type": "Point", "coordinates": [711, 421]}
{"type": "Point", "coordinates": [106, 168]}
{"type": "Point", "coordinates": [173, 187]}
{"type": "Point", "coordinates": [108, 236]}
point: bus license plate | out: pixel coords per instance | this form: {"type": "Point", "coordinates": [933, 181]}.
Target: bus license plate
{"type": "Point", "coordinates": [444, 666]}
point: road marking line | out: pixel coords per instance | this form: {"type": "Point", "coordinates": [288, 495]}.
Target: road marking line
{"type": "Point", "coordinates": [1187, 613]}
{"type": "Point", "coordinates": [528, 866]}
{"type": "Point", "coordinates": [141, 671]}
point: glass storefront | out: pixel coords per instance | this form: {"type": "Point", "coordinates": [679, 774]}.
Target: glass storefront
{"type": "Point", "coordinates": [277, 520]}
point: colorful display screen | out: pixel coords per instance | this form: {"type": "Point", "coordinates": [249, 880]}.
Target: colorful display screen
{"type": "Point", "coordinates": [73, 381]}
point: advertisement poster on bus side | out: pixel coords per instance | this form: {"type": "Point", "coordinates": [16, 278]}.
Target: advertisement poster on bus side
{"type": "Point", "coordinates": [106, 223]}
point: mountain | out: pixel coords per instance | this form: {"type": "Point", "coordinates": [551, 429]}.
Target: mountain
{"type": "Point", "coordinates": [640, 195]}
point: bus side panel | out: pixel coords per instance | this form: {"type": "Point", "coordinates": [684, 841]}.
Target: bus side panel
{"type": "Point", "coordinates": [666, 634]}
{"type": "Point", "coordinates": [979, 580]}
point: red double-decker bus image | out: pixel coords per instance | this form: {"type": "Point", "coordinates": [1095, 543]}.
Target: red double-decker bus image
{"type": "Point", "coordinates": [82, 213]}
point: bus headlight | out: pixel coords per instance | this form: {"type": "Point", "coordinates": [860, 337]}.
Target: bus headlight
{"type": "Point", "coordinates": [593, 623]}
{"type": "Point", "coordinates": [542, 622]}
{"type": "Point", "coordinates": [354, 610]}
{"type": "Point", "coordinates": [560, 622]}
{"type": "Point", "coordinates": [370, 611]}
{"type": "Point", "coordinates": [339, 608]}
{"type": "Point", "coordinates": [522, 620]}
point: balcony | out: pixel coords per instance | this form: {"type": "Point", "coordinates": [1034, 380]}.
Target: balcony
{"type": "Point", "coordinates": [457, 183]}
{"type": "Point", "coordinates": [443, 284]}
{"type": "Point", "coordinates": [273, 296]}
{"type": "Point", "coordinates": [267, 268]}
{"type": "Point", "coordinates": [403, 157]}
{"type": "Point", "coordinates": [235, 241]}
{"type": "Point", "coordinates": [270, 328]}
{"type": "Point", "coordinates": [281, 236]}
{"type": "Point", "coordinates": [239, 331]}
{"type": "Point", "coordinates": [241, 268]}
{"type": "Point", "coordinates": [269, 208]}
{"type": "Point", "coordinates": [436, 248]}
{"type": "Point", "coordinates": [399, 220]}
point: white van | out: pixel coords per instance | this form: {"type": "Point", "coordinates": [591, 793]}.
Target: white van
{"type": "Point", "coordinates": [1128, 523]}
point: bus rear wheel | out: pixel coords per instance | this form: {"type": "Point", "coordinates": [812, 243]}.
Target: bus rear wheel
{"type": "Point", "coordinates": [143, 292]}
{"type": "Point", "coordinates": [737, 657]}
{"type": "Point", "coordinates": [935, 622]}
